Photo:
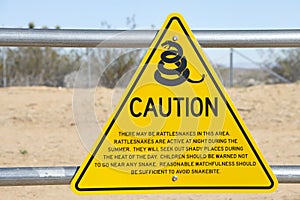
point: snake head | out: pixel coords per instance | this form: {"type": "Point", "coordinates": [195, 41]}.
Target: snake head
{"type": "Point", "coordinates": [166, 44]}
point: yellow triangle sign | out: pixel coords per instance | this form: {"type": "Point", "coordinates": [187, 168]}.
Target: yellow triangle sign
{"type": "Point", "coordinates": [174, 130]}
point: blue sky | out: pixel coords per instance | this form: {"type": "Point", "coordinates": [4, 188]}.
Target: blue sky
{"type": "Point", "coordinates": [200, 15]}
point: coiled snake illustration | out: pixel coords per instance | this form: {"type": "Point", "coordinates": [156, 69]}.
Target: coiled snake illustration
{"type": "Point", "coordinates": [176, 57]}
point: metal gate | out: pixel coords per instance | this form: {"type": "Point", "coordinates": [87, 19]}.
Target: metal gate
{"type": "Point", "coordinates": [133, 39]}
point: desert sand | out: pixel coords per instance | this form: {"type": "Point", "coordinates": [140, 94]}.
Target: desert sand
{"type": "Point", "coordinates": [37, 128]}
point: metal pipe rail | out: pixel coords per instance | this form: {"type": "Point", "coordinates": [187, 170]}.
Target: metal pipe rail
{"type": "Point", "coordinates": [143, 38]}
{"type": "Point", "coordinates": [25, 176]}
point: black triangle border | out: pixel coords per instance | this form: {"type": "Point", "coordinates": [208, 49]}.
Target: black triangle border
{"type": "Point", "coordinates": [175, 187]}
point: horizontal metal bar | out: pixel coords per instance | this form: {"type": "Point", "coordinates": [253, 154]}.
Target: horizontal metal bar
{"type": "Point", "coordinates": [36, 176]}
{"type": "Point", "coordinates": [287, 173]}
{"type": "Point", "coordinates": [143, 38]}
{"type": "Point", "coordinates": [22, 176]}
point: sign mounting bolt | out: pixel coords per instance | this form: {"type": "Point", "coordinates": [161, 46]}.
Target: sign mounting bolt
{"type": "Point", "coordinates": [175, 38]}
{"type": "Point", "coordinates": [174, 178]}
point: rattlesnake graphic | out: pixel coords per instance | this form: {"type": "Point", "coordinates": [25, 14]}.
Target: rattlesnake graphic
{"type": "Point", "coordinates": [173, 56]}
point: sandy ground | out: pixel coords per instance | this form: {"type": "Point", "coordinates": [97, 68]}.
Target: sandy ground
{"type": "Point", "coordinates": [37, 129]}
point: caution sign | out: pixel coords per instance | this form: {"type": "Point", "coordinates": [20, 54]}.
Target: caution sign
{"type": "Point", "coordinates": [174, 130]}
